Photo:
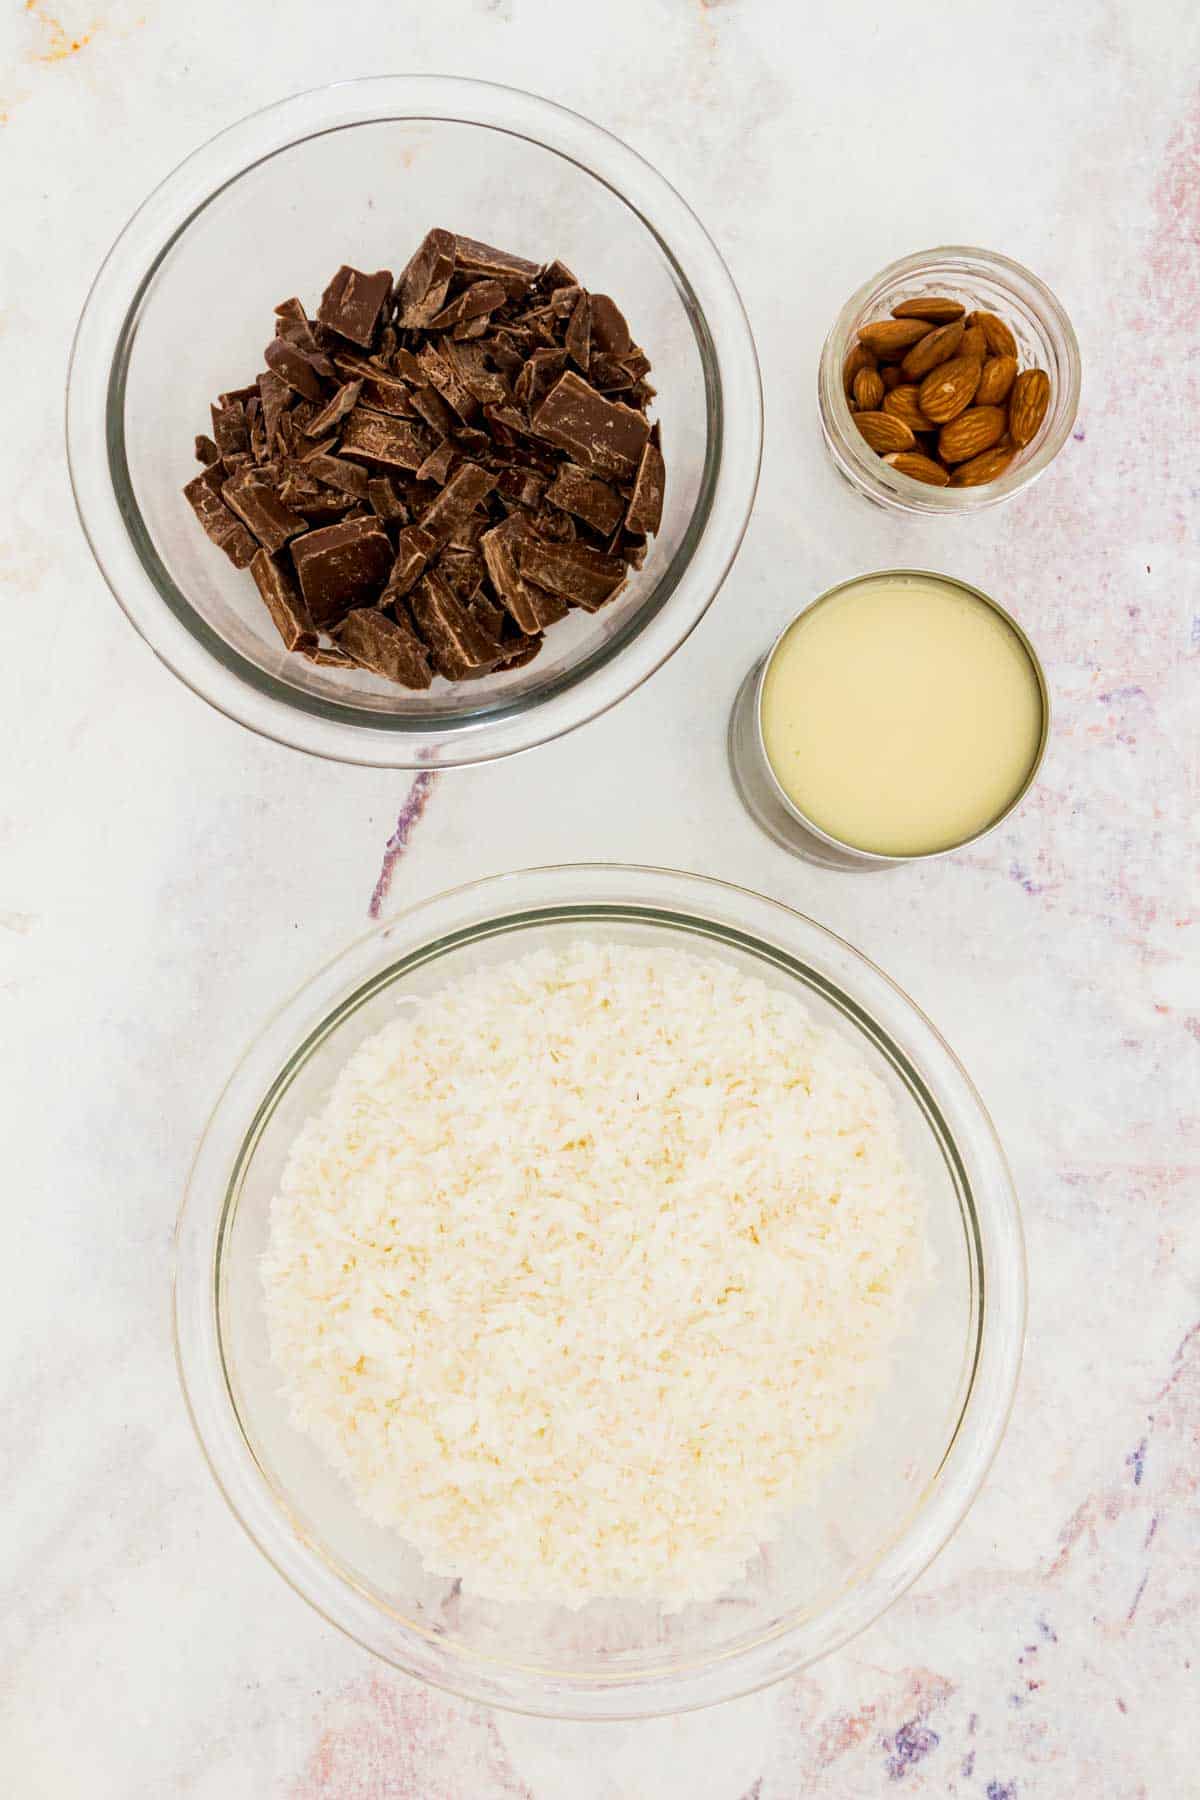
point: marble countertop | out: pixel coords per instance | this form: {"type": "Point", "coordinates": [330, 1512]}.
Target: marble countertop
{"type": "Point", "coordinates": [165, 878]}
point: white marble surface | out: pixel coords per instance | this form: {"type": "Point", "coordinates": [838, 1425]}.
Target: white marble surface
{"type": "Point", "coordinates": [165, 878]}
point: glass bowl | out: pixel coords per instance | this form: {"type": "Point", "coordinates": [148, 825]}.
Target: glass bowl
{"type": "Point", "coordinates": [983, 282]}
{"type": "Point", "coordinates": [357, 172]}
{"type": "Point", "coordinates": [882, 1512]}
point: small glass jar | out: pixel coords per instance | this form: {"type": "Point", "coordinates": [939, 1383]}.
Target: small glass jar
{"type": "Point", "coordinates": [983, 282]}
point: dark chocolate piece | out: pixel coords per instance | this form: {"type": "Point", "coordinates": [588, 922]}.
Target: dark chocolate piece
{"type": "Point", "coordinates": [578, 573]}
{"type": "Point", "coordinates": [438, 373]}
{"type": "Point", "coordinates": [556, 275]}
{"type": "Point", "coordinates": [579, 333]}
{"type": "Point", "coordinates": [538, 375]}
{"type": "Point", "coordinates": [456, 644]}
{"type": "Point", "coordinates": [330, 657]}
{"type": "Point", "coordinates": [470, 364]}
{"type": "Point", "coordinates": [414, 547]}
{"type": "Point", "coordinates": [380, 438]}
{"type": "Point", "coordinates": [385, 501]}
{"type": "Point", "coordinates": [476, 301]}
{"type": "Point", "coordinates": [284, 603]}
{"type": "Point", "coordinates": [589, 498]}
{"type": "Point", "coordinates": [438, 463]}
{"type": "Point", "coordinates": [206, 450]}
{"type": "Point", "coordinates": [384, 394]}
{"type": "Point", "coordinates": [458, 499]}
{"type": "Point", "coordinates": [257, 505]}
{"type": "Point", "coordinates": [332, 414]}
{"type": "Point", "coordinates": [428, 403]}
{"type": "Point", "coordinates": [294, 366]}
{"type": "Point", "coordinates": [342, 566]}
{"type": "Point", "coordinates": [610, 333]}
{"type": "Point", "coordinates": [524, 487]}
{"type": "Point", "coordinates": [603, 434]}
{"type": "Point", "coordinates": [226, 532]}
{"type": "Point", "coordinates": [531, 610]}
{"type": "Point", "coordinates": [645, 508]}
{"type": "Point", "coordinates": [347, 477]}
{"type": "Point", "coordinates": [229, 425]}
{"type": "Point", "coordinates": [352, 303]}
{"type": "Point", "coordinates": [483, 261]}
{"type": "Point", "coordinates": [425, 280]}
{"type": "Point", "coordinates": [385, 646]}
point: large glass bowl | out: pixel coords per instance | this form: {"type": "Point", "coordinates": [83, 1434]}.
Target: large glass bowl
{"type": "Point", "coordinates": [182, 309]}
{"type": "Point", "coordinates": [880, 1515]}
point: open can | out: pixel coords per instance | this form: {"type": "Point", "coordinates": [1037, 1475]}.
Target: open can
{"type": "Point", "coordinates": [773, 809]}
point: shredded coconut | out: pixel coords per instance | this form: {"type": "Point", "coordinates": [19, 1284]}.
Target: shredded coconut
{"type": "Point", "coordinates": [587, 1267]}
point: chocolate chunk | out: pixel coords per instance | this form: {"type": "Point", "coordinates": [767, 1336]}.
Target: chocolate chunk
{"type": "Point", "coordinates": [464, 572]}
{"type": "Point", "coordinates": [468, 531]}
{"type": "Point", "coordinates": [520, 650]}
{"type": "Point", "coordinates": [456, 644]}
{"type": "Point", "coordinates": [579, 333]}
{"type": "Point", "coordinates": [414, 547]}
{"type": "Point", "coordinates": [230, 429]}
{"type": "Point", "coordinates": [578, 573]}
{"type": "Point", "coordinates": [387, 647]}
{"type": "Point", "coordinates": [291, 309]}
{"type": "Point", "coordinates": [384, 394]}
{"type": "Point", "coordinates": [331, 415]}
{"type": "Point", "coordinates": [226, 532]}
{"type": "Point", "coordinates": [645, 508]}
{"type": "Point", "coordinates": [475, 301]}
{"type": "Point", "coordinates": [458, 499]}
{"type": "Point", "coordinates": [347, 477]}
{"type": "Point", "coordinates": [531, 610]}
{"type": "Point", "coordinates": [385, 501]}
{"type": "Point", "coordinates": [484, 261]}
{"type": "Point", "coordinates": [206, 450]}
{"type": "Point", "coordinates": [610, 333]}
{"type": "Point", "coordinates": [284, 603]}
{"type": "Point", "coordinates": [538, 375]}
{"type": "Point", "coordinates": [352, 303]}
{"type": "Point", "coordinates": [379, 438]}
{"type": "Point", "coordinates": [437, 372]}
{"type": "Point", "coordinates": [603, 434]}
{"type": "Point", "coordinates": [342, 566]}
{"type": "Point", "coordinates": [524, 487]}
{"type": "Point", "coordinates": [303, 339]}
{"type": "Point", "coordinates": [295, 367]}
{"type": "Point", "coordinates": [589, 498]}
{"type": "Point", "coordinates": [330, 657]}
{"type": "Point", "coordinates": [438, 463]}
{"type": "Point", "coordinates": [428, 403]}
{"type": "Point", "coordinates": [610, 376]}
{"type": "Point", "coordinates": [258, 505]}
{"type": "Point", "coordinates": [556, 275]}
{"type": "Point", "coordinates": [425, 280]}
{"type": "Point", "coordinates": [470, 363]}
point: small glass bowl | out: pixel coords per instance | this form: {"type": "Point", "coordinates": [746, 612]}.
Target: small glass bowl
{"type": "Point", "coordinates": [357, 173]}
{"type": "Point", "coordinates": [879, 1514]}
{"type": "Point", "coordinates": [983, 282]}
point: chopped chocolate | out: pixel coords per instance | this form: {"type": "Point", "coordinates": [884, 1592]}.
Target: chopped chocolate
{"type": "Point", "coordinates": [414, 547]}
{"type": "Point", "coordinates": [425, 281]}
{"type": "Point", "coordinates": [457, 646]}
{"type": "Point", "coordinates": [645, 507]}
{"type": "Point", "coordinates": [332, 414]}
{"type": "Point", "coordinates": [578, 573]}
{"type": "Point", "coordinates": [610, 333]}
{"type": "Point", "coordinates": [380, 438]}
{"type": "Point", "coordinates": [452, 462]}
{"type": "Point", "coordinates": [385, 501]}
{"type": "Point", "coordinates": [387, 647]}
{"type": "Point", "coordinates": [227, 532]}
{"type": "Point", "coordinates": [348, 477]}
{"type": "Point", "coordinates": [352, 303]}
{"type": "Point", "coordinates": [458, 499]}
{"type": "Point", "coordinates": [294, 366]}
{"type": "Point", "coordinates": [257, 504]}
{"type": "Point", "coordinates": [589, 498]}
{"type": "Point", "coordinates": [341, 567]}
{"type": "Point", "coordinates": [283, 602]}
{"type": "Point", "coordinates": [604, 434]}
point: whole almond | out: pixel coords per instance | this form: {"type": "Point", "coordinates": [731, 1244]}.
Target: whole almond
{"type": "Point", "coordinates": [982, 468]}
{"type": "Point", "coordinates": [868, 389]}
{"type": "Point", "coordinates": [937, 348]}
{"type": "Point", "coordinates": [883, 432]}
{"type": "Point", "coordinates": [891, 376]}
{"type": "Point", "coordinates": [921, 468]}
{"type": "Point", "coordinates": [858, 357]}
{"type": "Point", "coordinates": [971, 433]}
{"type": "Point", "coordinates": [890, 338]}
{"type": "Point", "coordinates": [949, 389]}
{"type": "Point", "coordinates": [999, 373]}
{"type": "Point", "coordinates": [1000, 340]}
{"type": "Point", "coordinates": [902, 403]}
{"type": "Point", "coordinates": [1027, 408]}
{"type": "Point", "coordinates": [973, 341]}
{"type": "Point", "coordinates": [929, 306]}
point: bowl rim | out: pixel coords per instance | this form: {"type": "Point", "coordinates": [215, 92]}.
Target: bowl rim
{"type": "Point", "coordinates": [554, 893]}
{"type": "Point", "coordinates": [193, 650]}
